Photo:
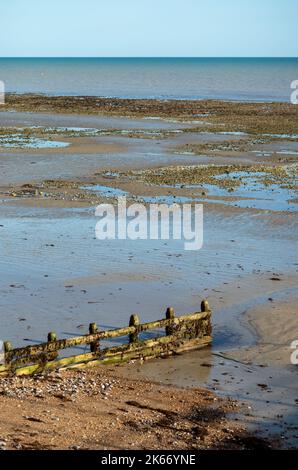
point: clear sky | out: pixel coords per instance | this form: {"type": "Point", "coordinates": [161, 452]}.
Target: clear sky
{"type": "Point", "coordinates": [134, 28]}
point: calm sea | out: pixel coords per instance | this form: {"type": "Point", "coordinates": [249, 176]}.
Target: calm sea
{"type": "Point", "coordinates": [236, 79]}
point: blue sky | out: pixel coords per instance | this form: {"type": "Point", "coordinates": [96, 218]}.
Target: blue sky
{"type": "Point", "coordinates": [134, 28]}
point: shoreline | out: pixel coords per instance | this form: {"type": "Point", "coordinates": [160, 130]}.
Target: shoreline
{"type": "Point", "coordinates": [103, 97]}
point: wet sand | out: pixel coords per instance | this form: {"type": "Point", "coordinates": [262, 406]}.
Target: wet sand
{"type": "Point", "coordinates": [250, 236]}
{"type": "Point", "coordinates": [274, 326]}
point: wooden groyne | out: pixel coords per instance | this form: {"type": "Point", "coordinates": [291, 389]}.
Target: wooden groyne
{"type": "Point", "coordinates": [181, 334]}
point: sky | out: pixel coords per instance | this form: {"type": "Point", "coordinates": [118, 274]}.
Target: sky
{"type": "Point", "coordinates": [148, 28]}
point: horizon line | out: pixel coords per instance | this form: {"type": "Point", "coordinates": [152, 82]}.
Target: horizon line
{"type": "Point", "coordinates": [148, 57]}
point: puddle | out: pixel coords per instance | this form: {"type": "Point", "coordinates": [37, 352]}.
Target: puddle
{"type": "Point", "coordinates": [255, 194]}
{"type": "Point", "coordinates": [157, 133]}
{"type": "Point", "coordinates": [277, 150]}
{"type": "Point", "coordinates": [282, 136]}
{"type": "Point", "coordinates": [88, 131]}
{"type": "Point", "coordinates": [177, 121]}
{"type": "Point", "coordinates": [105, 191]}
{"type": "Point", "coordinates": [195, 121]}
{"type": "Point", "coordinates": [233, 133]}
{"type": "Point", "coordinates": [111, 174]}
{"type": "Point", "coordinates": [184, 153]}
{"type": "Point", "coordinates": [287, 152]}
{"type": "Point", "coordinates": [259, 153]}
{"type": "Point", "coordinates": [18, 141]}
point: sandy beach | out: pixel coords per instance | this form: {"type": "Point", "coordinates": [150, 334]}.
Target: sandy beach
{"type": "Point", "coordinates": [62, 156]}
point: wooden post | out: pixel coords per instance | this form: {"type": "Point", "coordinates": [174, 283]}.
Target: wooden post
{"type": "Point", "coordinates": [52, 337]}
{"type": "Point", "coordinates": [170, 314]}
{"type": "Point", "coordinates": [94, 347]}
{"type": "Point", "coordinates": [7, 348]}
{"type": "Point", "coordinates": [205, 306]}
{"type": "Point", "coordinates": [134, 321]}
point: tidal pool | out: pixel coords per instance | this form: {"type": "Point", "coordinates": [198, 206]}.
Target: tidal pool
{"type": "Point", "coordinates": [19, 141]}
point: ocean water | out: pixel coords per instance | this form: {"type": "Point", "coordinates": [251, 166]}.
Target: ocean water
{"type": "Point", "coordinates": [182, 78]}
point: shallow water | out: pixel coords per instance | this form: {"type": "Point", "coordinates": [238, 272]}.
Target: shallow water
{"type": "Point", "coordinates": [120, 275]}
{"type": "Point", "coordinates": [252, 193]}
{"type": "Point", "coordinates": [266, 197]}
{"type": "Point", "coordinates": [97, 122]}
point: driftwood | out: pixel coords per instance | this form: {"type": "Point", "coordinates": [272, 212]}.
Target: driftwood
{"type": "Point", "coordinates": [181, 334]}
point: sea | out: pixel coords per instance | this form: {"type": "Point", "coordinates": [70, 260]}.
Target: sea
{"type": "Point", "coordinates": [241, 79]}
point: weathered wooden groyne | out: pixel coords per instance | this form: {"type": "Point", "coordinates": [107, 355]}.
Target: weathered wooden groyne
{"type": "Point", "coordinates": [182, 333]}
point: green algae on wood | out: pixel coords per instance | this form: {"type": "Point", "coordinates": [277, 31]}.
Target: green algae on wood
{"type": "Point", "coordinates": [182, 333]}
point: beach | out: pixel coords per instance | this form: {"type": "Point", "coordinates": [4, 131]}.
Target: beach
{"type": "Point", "coordinates": [61, 156]}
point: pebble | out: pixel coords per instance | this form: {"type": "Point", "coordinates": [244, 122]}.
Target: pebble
{"type": "Point", "coordinates": [55, 385]}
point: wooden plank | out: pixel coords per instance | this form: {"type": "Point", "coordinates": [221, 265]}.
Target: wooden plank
{"type": "Point", "coordinates": [145, 354]}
